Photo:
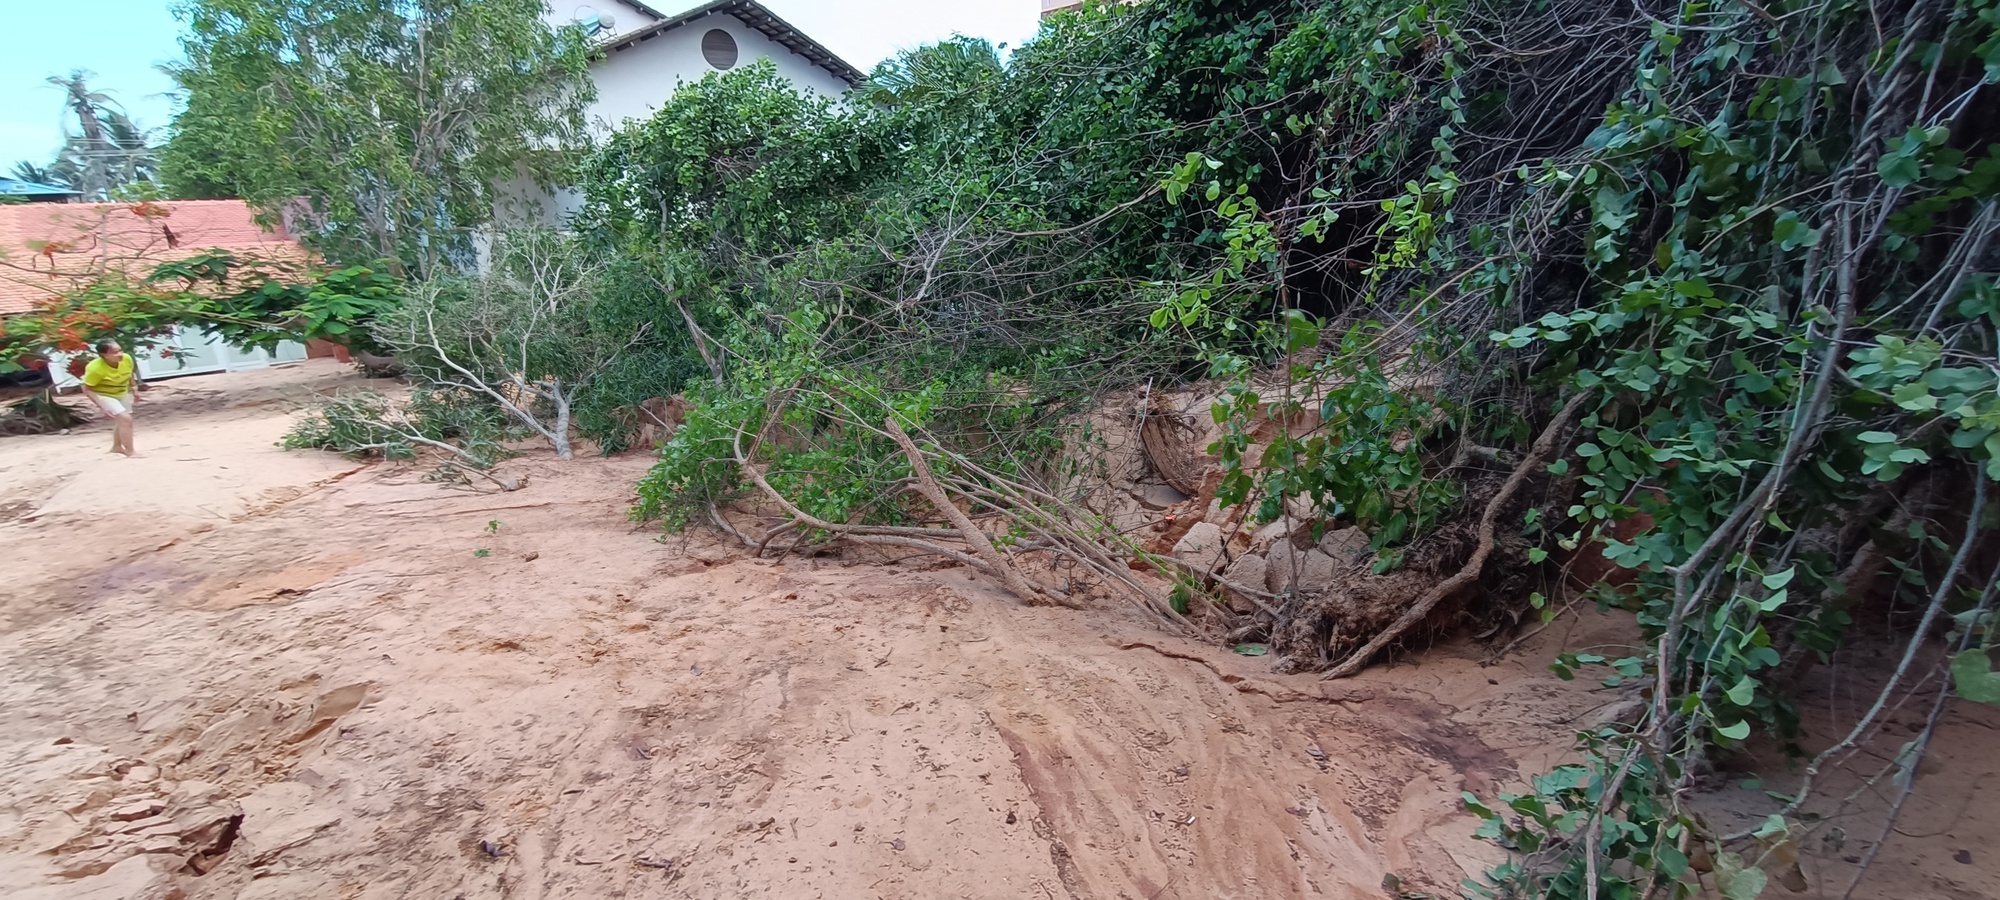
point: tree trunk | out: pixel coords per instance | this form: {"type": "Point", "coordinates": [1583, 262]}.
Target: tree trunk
{"type": "Point", "coordinates": [700, 339]}
{"type": "Point", "coordinates": [559, 434]}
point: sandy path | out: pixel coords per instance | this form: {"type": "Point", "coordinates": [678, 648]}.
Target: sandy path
{"type": "Point", "coordinates": [320, 649]}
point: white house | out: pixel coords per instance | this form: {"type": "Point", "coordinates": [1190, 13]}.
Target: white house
{"type": "Point", "coordinates": [645, 55]}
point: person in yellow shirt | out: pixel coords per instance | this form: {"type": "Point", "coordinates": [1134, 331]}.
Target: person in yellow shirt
{"type": "Point", "coordinates": [109, 382]}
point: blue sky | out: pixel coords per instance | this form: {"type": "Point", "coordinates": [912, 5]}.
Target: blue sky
{"type": "Point", "coordinates": [123, 41]}
{"type": "Point", "coordinates": [119, 40]}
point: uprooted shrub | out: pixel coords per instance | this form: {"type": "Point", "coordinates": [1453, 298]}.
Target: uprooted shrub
{"type": "Point", "coordinates": [1702, 290]}
{"type": "Point", "coordinates": [838, 457]}
{"type": "Point", "coordinates": [528, 337]}
{"type": "Point", "coordinates": [363, 424]}
{"type": "Point", "coordinates": [1733, 263]}
{"type": "Point", "coordinates": [39, 413]}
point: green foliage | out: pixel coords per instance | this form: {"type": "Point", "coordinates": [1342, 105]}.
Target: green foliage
{"type": "Point", "coordinates": [661, 368]}
{"type": "Point", "coordinates": [1743, 244]}
{"type": "Point", "coordinates": [1754, 256]}
{"type": "Point", "coordinates": [1973, 677]}
{"type": "Point", "coordinates": [378, 130]}
{"type": "Point", "coordinates": [698, 466]}
{"type": "Point", "coordinates": [813, 426]}
{"type": "Point", "coordinates": [1972, 673]}
{"type": "Point", "coordinates": [893, 255]}
{"type": "Point", "coordinates": [737, 162]}
{"type": "Point", "coordinates": [532, 335]}
{"type": "Point", "coordinates": [25, 170]}
{"type": "Point", "coordinates": [1713, 348]}
{"type": "Point", "coordinates": [1561, 809]}
{"type": "Point", "coordinates": [937, 77]}
{"type": "Point", "coordinates": [248, 303]}
{"type": "Point", "coordinates": [1365, 463]}
{"type": "Point", "coordinates": [365, 424]}
{"type": "Point", "coordinates": [924, 210]}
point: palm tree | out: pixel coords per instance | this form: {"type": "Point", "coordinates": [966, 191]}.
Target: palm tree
{"type": "Point", "coordinates": [27, 171]}
{"type": "Point", "coordinates": [88, 151]}
{"type": "Point", "coordinates": [128, 154]}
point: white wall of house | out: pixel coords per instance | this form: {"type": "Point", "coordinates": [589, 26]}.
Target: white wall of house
{"type": "Point", "coordinates": [634, 83]}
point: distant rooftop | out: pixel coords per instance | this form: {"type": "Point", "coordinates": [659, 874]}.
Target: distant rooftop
{"type": "Point", "coordinates": [15, 187]}
{"type": "Point", "coordinates": [49, 249]}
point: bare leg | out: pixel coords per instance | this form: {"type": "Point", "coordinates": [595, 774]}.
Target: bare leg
{"type": "Point", "coordinates": [121, 436]}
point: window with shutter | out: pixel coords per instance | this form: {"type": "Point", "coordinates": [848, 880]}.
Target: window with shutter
{"type": "Point", "coordinates": [719, 49]}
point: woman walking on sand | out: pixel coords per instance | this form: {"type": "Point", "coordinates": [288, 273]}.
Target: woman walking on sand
{"type": "Point", "coordinates": [109, 382]}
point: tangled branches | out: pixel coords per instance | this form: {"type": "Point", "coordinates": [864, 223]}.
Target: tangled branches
{"type": "Point", "coordinates": [1016, 517]}
{"type": "Point", "coordinates": [1764, 270]}
{"type": "Point", "coordinates": [1734, 263]}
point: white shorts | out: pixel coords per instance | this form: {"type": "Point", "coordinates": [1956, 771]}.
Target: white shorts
{"type": "Point", "coordinates": [114, 406]}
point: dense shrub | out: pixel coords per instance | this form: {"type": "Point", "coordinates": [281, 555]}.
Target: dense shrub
{"type": "Point", "coordinates": [1714, 282]}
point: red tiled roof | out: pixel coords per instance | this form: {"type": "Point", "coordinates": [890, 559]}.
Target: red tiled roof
{"type": "Point", "coordinates": [47, 249]}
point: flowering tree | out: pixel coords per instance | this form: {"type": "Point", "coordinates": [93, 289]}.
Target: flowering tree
{"type": "Point", "coordinates": [246, 302]}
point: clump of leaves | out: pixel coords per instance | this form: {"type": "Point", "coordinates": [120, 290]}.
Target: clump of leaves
{"type": "Point", "coordinates": [528, 337]}
{"type": "Point", "coordinates": [1752, 251]}
{"type": "Point", "coordinates": [246, 302]}
{"type": "Point", "coordinates": [366, 424]}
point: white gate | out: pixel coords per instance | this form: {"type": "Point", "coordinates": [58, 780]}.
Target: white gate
{"type": "Point", "coordinates": [193, 353]}
{"type": "Point", "coordinates": [190, 352]}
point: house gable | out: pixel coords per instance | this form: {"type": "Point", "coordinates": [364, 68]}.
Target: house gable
{"type": "Point", "coordinates": [756, 16]}
{"type": "Point", "coordinates": [626, 15]}
{"type": "Point", "coordinates": [639, 71]}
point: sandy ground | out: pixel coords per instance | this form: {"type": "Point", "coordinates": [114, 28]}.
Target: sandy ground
{"type": "Point", "coordinates": [228, 671]}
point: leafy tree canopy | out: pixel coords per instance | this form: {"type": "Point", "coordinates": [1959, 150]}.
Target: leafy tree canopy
{"type": "Point", "coordinates": [380, 129]}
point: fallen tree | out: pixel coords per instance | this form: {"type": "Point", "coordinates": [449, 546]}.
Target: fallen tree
{"type": "Point", "coordinates": [527, 337]}
{"type": "Point", "coordinates": [1693, 298]}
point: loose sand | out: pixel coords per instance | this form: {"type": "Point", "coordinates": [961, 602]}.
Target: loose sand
{"type": "Point", "coordinates": [229, 671]}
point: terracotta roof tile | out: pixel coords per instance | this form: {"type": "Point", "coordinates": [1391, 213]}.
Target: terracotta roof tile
{"type": "Point", "coordinates": [47, 249]}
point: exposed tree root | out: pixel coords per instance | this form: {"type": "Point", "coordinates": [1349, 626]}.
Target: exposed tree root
{"type": "Point", "coordinates": [1538, 456]}
{"type": "Point", "coordinates": [39, 413]}
{"type": "Point", "coordinates": [1169, 445]}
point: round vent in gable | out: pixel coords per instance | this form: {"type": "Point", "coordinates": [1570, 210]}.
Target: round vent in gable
{"type": "Point", "coordinates": [719, 49]}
